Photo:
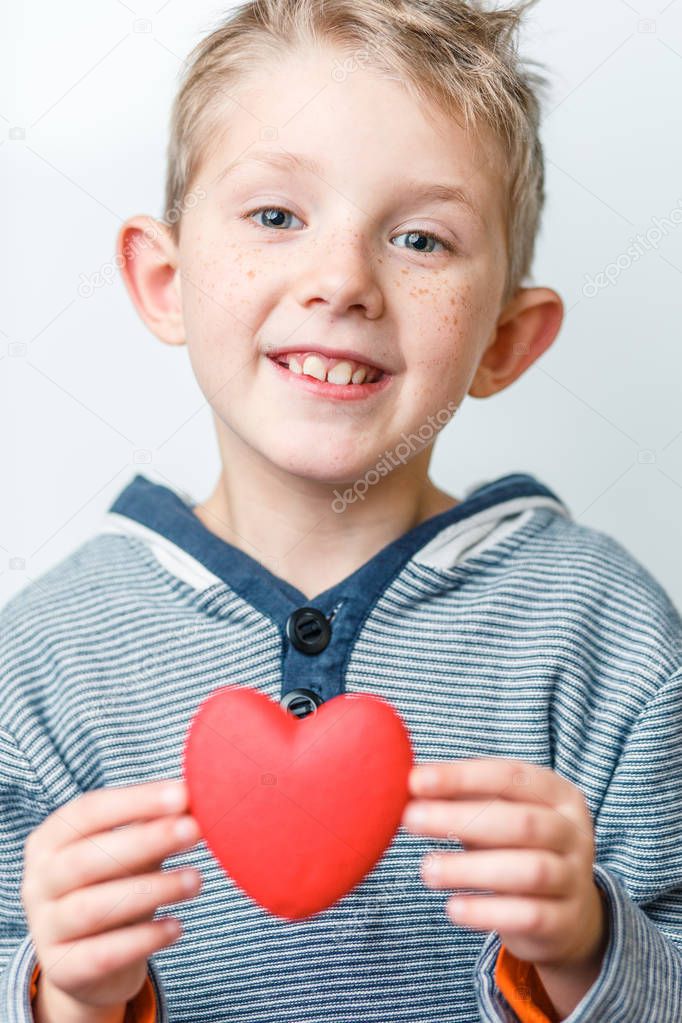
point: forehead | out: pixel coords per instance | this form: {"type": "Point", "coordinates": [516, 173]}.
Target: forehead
{"type": "Point", "coordinates": [363, 130]}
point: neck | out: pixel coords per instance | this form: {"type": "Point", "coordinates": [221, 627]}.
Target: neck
{"type": "Point", "coordinates": [308, 532]}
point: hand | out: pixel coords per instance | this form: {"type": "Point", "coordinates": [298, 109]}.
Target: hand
{"type": "Point", "coordinates": [91, 887]}
{"type": "Point", "coordinates": [534, 841]}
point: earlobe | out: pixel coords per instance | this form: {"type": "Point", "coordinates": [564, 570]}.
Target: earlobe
{"type": "Point", "coordinates": [148, 258]}
{"type": "Point", "coordinates": [525, 330]}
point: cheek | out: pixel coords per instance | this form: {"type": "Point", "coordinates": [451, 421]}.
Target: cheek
{"type": "Point", "coordinates": [441, 342]}
{"type": "Point", "coordinates": [441, 325]}
{"type": "Point", "coordinates": [219, 284]}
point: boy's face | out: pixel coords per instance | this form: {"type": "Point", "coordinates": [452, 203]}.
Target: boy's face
{"type": "Point", "coordinates": [340, 266]}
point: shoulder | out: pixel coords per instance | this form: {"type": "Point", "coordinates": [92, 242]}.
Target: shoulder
{"type": "Point", "coordinates": [70, 612]}
{"type": "Point", "coordinates": [607, 606]}
{"type": "Point", "coordinates": [597, 565]}
{"type": "Point", "coordinates": [99, 566]}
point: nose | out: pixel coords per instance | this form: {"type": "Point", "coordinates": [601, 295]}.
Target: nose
{"type": "Point", "coordinates": [341, 276]}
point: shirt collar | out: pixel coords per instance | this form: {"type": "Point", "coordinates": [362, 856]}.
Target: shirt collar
{"type": "Point", "coordinates": [168, 514]}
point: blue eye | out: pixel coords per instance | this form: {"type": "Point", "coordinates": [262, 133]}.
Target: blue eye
{"type": "Point", "coordinates": [270, 209]}
{"type": "Point", "coordinates": [278, 211]}
{"type": "Point", "coordinates": [425, 234]}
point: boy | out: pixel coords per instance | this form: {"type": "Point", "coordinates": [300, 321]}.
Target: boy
{"type": "Point", "coordinates": [536, 664]}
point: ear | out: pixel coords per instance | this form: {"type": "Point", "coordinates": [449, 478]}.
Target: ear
{"type": "Point", "coordinates": [525, 329]}
{"type": "Point", "coordinates": [148, 258]}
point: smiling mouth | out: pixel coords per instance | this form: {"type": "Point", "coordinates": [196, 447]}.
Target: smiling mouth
{"type": "Point", "coordinates": [338, 372]}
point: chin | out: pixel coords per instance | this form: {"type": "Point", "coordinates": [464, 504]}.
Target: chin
{"type": "Point", "coordinates": [317, 467]}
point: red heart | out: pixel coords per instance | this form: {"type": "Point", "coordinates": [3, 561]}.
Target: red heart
{"type": "Point", "coordinates": [296, 810]}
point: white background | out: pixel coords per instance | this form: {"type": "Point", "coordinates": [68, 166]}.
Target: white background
{"type": "Point", "coordinates": [85, 94]}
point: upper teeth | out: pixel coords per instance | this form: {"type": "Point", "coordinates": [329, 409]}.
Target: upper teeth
{"type": "Point", "coordinates": [332, 370]}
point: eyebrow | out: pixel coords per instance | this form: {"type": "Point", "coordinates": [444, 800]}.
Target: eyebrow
{"type": "Point", "coordinates": [417, 190]}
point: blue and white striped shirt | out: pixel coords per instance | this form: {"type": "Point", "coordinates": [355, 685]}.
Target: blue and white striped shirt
{"type": "Point", "coordinates": [500, 627]}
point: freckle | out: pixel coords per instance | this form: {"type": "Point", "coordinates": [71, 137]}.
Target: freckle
{"type": "Point", "coordinates": [250, 273]}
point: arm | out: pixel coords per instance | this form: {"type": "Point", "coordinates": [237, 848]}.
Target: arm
{"type": "Point", "coordinates": [142, 1009]}
{"type": "Point", "coordinates": [639, 871]}
{"type": "Point", "coordinates": [23, 805]}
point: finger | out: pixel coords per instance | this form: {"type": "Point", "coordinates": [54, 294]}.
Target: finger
{"type": "Point", "coordinates": [80, 963]}
{"type": "Point", "coordinates": [116, 854]}
{"type": "Point", "coordinates": [515, 873]}
{"type": "Point", "coordinates": [105, 809]}
{"type": "Point", "coordinates": [509, 915]}
{"type": "Point", "coordinates": [492, 824]}
{"type": "Point", "coordinates": [103, 907]}
{"type": "Point", "coordinates": [503, 777]}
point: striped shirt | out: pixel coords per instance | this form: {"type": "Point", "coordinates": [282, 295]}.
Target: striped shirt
{"type": "Point", "coordinates": [500, 627]}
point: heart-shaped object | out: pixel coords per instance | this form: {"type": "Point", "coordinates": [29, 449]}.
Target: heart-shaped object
{"type": "Point", "coordinates": [296, 810]}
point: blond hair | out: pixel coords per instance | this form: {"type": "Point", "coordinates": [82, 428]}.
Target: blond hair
{"type": "Point", "coordinates": [453, 53]}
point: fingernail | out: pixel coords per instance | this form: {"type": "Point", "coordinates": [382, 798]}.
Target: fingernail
{"type": "Point", "coordinates": [190, 880]}
{"type": "Point", "coordinates": [185, 828]}
{"type": "Point", "coordinates": [415, 817]}
{"type": "Point", "coordinates": [424, 778]}
{"type": "Point", "coordinates": [431, 870]}
{"type": "Point", "coordinates": [174, 796]}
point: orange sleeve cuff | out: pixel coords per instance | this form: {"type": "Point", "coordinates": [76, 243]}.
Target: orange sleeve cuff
{"type": "Point", "coordinates": [517, 980]}
{"type": "Point", "coordinates": [142, 1009]}
{"type": "Point", "coordinates": [519, 983]}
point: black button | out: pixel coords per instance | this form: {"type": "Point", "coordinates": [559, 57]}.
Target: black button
{"type": "Point", "coordinates": [301, 702]}
{"type": "Point", "coordinates": [308, 630]}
